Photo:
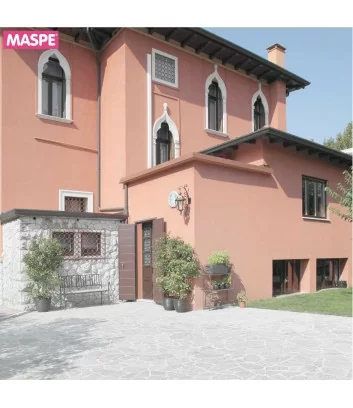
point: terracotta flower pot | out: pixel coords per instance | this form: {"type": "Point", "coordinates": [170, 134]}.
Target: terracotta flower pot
{"type": "Point", "coordinates": [242, 304]}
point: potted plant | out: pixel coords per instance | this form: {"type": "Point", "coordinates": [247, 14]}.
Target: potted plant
{"type": "Point", "coordinates": [43, 262]}
{"type": "Point", "coordinates": [176, 266]}
{"type": "Point", "coordinates": [215, 284]}
{"type": "Point", "coordinates": [242, 299]}
{"type": "Point", "coordinates": [218, 263]}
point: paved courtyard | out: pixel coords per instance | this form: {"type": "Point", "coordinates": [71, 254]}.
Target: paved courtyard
{"type": "Point", "coordinates": [142, 341]}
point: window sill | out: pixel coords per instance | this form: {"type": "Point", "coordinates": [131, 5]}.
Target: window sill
{"type": "Point", "coordinates": [316, 219]}
{"type": "Point", "coordinates": [165, 83]}
{"type": "Point", "coordinates": [54, 118]}
{"type": "Point", "coordinates": [215, 132]}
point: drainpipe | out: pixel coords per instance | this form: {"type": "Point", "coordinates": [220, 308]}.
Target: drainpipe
{"type": "Point", "coordinates": [126, 201]}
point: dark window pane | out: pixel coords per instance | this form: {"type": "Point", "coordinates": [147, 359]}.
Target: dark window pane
{"type": "Point", "coordinates": [147, 259]}
{"type": "Point", "coordinates": [90, 243]}
{"type": "Point", "coordinates": [163, 144]}
{"type": "Point", "coordinates": [215, 107]}
{"type": "Point", "coordinates": [259, 114]}
{"type": "Point", "coordinates": [76, 204]}
{"type": "Point", "coordinates": [66, 240]}
{"type": "Point", "coordinates": [311, 198]}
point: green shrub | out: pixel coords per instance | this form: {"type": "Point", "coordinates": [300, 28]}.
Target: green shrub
{"type": "Point", "coordinates": [219, 258]}
{"type": "Point", "coordinates": [175, 265]}
{"type": "Point", "coordinates": [43, 262]}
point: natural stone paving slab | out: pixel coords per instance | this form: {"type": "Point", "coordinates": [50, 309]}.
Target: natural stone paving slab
{"type": "Point", "coordinates": [142, 341]}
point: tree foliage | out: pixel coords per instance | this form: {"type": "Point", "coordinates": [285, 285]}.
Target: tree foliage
{"type": "Point", "coordinates": [176, 264]}
{"type": "Point", "coordinates": [342, 140]}
{"type": "Point", "coordinates": [343, 196]}
{"type": "Point", "coordinates": [43, 262]}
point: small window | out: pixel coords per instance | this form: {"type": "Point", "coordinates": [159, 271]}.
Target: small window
{"type": "Point", "coordinates": [90, 243]}
{"type": "Point", "coordinates": [66, 240]}
{"type": "Point", "coordinates": [76, 204]}
{"type": "Point", "coordinates": [314, 197]}
{"type": "Point", "coordinates": [259, 114]}
{"type": "Point", "coordinates": [147, 244]}
{"type": "Point", "coordinates": [163, 144]}
{"type": "Point", "coordinates": [164, 68]}
{"type": "Point", "coordinates": [53, 89]}
{"type": "Point", "coordinates": [215, 107]}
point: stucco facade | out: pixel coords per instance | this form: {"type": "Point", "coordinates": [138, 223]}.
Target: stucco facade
{"type": "Point", "coordinates": [248, 200]}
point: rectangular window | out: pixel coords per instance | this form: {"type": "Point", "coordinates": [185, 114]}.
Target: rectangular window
{"type": "Point", "coordinates": [328, 273]}
{"type": "Point", "coordinates": [164, 68]}
{"type": "Point", "coordinates": [75, 204]}
{"type": "Point", "coordinates": [66, 240]}
{"type": "Point", "coordinates": [90, 243]}
{"type": "Point", "coordinates": [147, 244]}
{"type": "Point", "coordinates": [314, 197]}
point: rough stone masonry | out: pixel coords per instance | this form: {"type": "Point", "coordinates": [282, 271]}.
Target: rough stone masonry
{"type": "Point", "coordinates": [17, 237]}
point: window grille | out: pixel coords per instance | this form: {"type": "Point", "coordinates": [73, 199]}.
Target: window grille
{"type": "Point", "coordinates": [165, 68]}
{"type": "Point", "coordinates": [81, 244]}
{"type": "Point", "coordinates": [76, 204]}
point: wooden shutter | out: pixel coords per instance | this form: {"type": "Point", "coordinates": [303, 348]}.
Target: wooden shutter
{"type": "Point", "coordinates": [158, 230]}
{"type": "Point", "coordinates": [127, 262]}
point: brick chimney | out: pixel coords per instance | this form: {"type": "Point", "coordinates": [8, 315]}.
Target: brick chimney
{"type": "Point", "coordinates": [276, 54]}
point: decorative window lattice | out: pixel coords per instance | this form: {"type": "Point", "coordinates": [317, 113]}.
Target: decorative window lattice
{"type": "Point", "coordinates": [165, 68]}
{"type": "Point", "coordinates": [76, 204]}
{"type": "Point", "coordinates": [81, 244]}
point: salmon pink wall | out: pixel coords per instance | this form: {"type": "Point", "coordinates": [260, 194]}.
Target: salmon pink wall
{"type": "Point", "coordinates": [34, 170]}
{"type": "Point", "coordinates": [186, 103]}
{"type": "Point", "coordinates": [258, 219]}
{"type": "Point", "coordinates": [149, 199]}
{"type": "Point", "coordinates": [113, 122]}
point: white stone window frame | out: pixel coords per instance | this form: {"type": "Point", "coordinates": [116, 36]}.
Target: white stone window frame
{"type": "Point", "coordinates": [154, 79]}
{"type": "Point", "coordinates": [214, 76]}
{"type": "Point", "coordinates": [75, 194]}
{"type": "Point", "coordinates": [77, 256]}
{"type": "Point", "coordinates": [172, 128]}
{"type": "Point", "coordinates": [43, 59]}
{"type": "Point", "coordinates": [260, 94]}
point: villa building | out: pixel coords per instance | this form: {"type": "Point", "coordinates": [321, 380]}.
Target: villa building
{"type": "Point", "coordinates": [99, 138]}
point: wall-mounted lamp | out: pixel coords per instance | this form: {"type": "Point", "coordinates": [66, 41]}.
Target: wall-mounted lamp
{"type": "Point", "coordinates": [183, 199]}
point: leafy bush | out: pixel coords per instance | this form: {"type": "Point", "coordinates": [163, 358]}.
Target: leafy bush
{"type": "Point", "coordinates": [175, 264]}
{"type": "Point", "coordinates": [43, 262]}
{"type": "Point", "coordinates": [219, 258]}
{"type": "Point", "coordinates": [241, 296]}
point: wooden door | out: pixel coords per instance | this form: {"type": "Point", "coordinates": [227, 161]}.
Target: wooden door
{"type": "Point", "coordinates": [158, 230]}
{"type": "Point", "coordinates": [127, 263]}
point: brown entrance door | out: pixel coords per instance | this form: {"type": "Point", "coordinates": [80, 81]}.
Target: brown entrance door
{"type": "Point", "coordinates": [147, 233]}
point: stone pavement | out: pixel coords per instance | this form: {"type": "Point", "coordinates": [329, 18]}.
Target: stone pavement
{"type": "Point", "coordinates": [7, 312]}
{"type": "Point", "coordinates": [142, 341]}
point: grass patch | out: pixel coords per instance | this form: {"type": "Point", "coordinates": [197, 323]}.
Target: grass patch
{"type": "Point", "coordinates": [336, 302]}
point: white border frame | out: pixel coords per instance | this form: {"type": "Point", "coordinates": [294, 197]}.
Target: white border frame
{"type": "Point", "coordinates": [43, 59]}
{"type": "Point", "coordinates": [215, 76]}
{"type": "Point", "coordinates": [79, 194]}
{"type": "Point", "coordinates": [260, 94]}
{"type": "Point", "coordinates": [173, 129]}
{"type": "Point", "coordinates": [161, 81]}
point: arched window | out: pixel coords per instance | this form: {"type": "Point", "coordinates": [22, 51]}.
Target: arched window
{"type": "Point", "coordinates": [54, 86]}
{"type": "Point", "coordinates": [215, 107]}
{"type": "Point", "coordinates": [53, 89]}
{"type": "Point", "coordinates": [163, 143]}
{"type": "Point", "coordinates": [259, 114]}
{"type": "Point", "coordinates": [215, 104]}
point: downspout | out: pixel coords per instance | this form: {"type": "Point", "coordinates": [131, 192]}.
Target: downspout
{"type": "Point", "coordinates": [126, 202]}
{"type": "Point", "coordinates": [99, 89]}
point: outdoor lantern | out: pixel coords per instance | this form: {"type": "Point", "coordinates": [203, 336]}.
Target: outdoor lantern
{"type": "Point", "coordinates": [183, 199]}
{"type": "Point", "coordinates": [180, 203]}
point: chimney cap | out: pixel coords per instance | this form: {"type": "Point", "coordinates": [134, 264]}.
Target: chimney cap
{"type": "Point", "coordinates": [276, 45]}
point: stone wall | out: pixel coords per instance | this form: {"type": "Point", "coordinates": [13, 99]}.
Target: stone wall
{"type": "Point", "coordinates": [17, 237]}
